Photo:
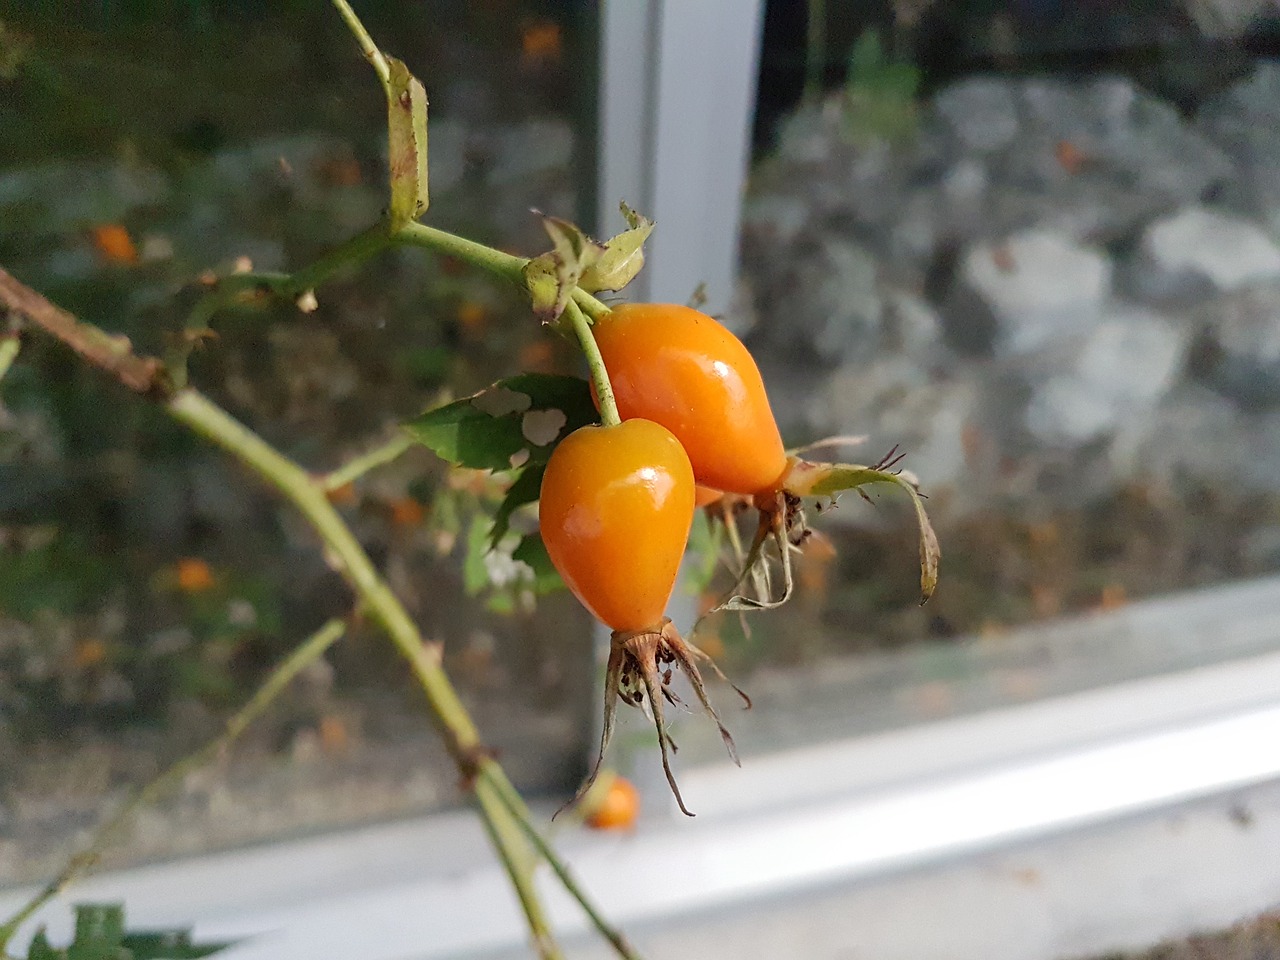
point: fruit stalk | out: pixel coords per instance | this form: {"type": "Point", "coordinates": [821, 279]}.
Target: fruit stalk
{"type": "Point", "coordinates": [595, 363]}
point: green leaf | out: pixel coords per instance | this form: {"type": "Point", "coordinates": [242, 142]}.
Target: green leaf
{"type": "Point", "coordinates": [867, 58]}
{"type": "Point", "coordinates": [99, 932]}
{"type": "Point", "coordinates": [171, 945]}
{"type": "Point", "coordinates": [100, 935]}
{"type": "Point", "coordinates": [702, 554]}
{"type": "Point", "coordinates": [551, 277]}
{"type": "Point", "coordinates": [41, 949]}
{"type": "Point", "coordinates": [516, 421]}
{"type": "Point", "coordinates": [880, 93]}
{"type": "Point", "coordinates": [622, 258]}
{"type": "Point", "coordinates": [533, 552]}
{"type": "Point", "coordinates": [526, 489]}
{"type": "Point", "coordinates": [407, 144]}
{"type": "Point", "coordinates": [475, 574]}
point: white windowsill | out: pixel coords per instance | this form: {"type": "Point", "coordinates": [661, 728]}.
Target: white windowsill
{"type": "Point", "coordinates": [798, 819]}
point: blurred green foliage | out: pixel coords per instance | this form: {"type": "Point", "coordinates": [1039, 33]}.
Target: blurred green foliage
{"type": "Point", "coordinates": [100, 934]}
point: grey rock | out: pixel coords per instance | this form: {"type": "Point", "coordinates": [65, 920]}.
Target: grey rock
{"type": "Point", "coordinates": [1199, 250]}
{"type": "Point", "coordinates": [1258, 456]}
{"type": "Point", "coordinates": [776, 218]}
{"type": "Point", "coordinates": [1192, 435]}
{"type": "Point", "coordinates": [981, 112]}
{"type": "Point", "coordinates": [447, 147]}
{"type": "Point", "coordinates": [1163, 154]}
{"type": "Point", "coordinates": [893, 401]}
{"type": "Point", "coordinates": [838, 316]}
{"type": "Point", "coordinates": [1242, 334]}
{"type": "Point", "coordinates": [216, 494]}
{"type": "Point", "coordinates": [912, 326]}
{"type": "Point", "coordinates": [1138, 159]}
{"type": "Point", "coordinates": [66, 196]}
{"type": "Point", "coordinates": [1040, 287]}
{"type": "Point", "coordinates": [915, 234]}
{"type": "Point", "coordinates": [1242, 121]}
{"type": "Point", "coordinates": [810, 134]}
{"type": "Point", "coordinates": [1122, 369]}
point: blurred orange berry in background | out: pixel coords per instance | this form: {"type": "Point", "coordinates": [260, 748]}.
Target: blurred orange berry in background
{"type": "Point", "coordinates": [89, 653]}
{"type": "Point", "coordinates": [343, 496]}
{"type": "Point", "coordinates": [406, 512]}
{"type": "Point", "coordinates": [114, 244]}
{"type": "Point", "coordinates": [193, 575]}
{"type": "Point", "coordinates": [613, 803]}
{"type": "Point", "coordinates": [540, 44]}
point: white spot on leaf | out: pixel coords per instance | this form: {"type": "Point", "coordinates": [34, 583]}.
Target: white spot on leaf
{"type": "Point", "coordinates": [541, 427]}
{"type": "Point", "coordinates": [499, 401]}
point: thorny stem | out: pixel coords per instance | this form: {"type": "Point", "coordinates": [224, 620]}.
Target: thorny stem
{"type": "Point", "coordinates": [216, 425]}
{"type": "Point", "coordinates": [302, 656]}
{"type": "Point", "coordinates": [454, 723]}
{"type": "Point", "coordinates": [357, 467]}
{"type": "Point", "coordinates": [517, 859]}
{"type": "Point", "coordinates": [459, 732]}
{"type": "Point", "coordinates": [599, 376]}
{"type": "Point", "coordinates": [112, 352]}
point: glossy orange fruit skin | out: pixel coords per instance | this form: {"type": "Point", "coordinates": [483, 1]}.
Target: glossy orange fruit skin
{"type": "Point", "coordinates": [615, 512]}
{"type": "Point", "coordinates": [680, 368]}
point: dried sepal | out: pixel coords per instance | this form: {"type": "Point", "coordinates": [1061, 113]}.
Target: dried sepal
{"type": "Point", "coordinates": [639, 672]}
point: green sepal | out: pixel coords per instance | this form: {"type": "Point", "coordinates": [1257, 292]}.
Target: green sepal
{"type": "Point", "coordinates": [622, 258]}
{"type": "Point", "coordinates": [552, 276]}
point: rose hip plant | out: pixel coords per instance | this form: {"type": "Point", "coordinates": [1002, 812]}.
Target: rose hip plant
{"type": "Point", "coordinates": [672, 417]}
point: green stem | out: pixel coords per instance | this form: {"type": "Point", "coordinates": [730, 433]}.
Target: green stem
{"type": "Point", "coordinates": [476, 254]}
{"type": "Point", "coordinates": [350, 252]}
{"type": "Point", "coordinates": [456, 727]}
{"type": "Point", "coordinates": [356, 250]}
{"type": "Point", "coordinates": [359, 466]}
{"type": "Point", "coordinates": [816, 49]}
{"type": "Point", "coordinates": [593, 308]}
{"type": "Point", "coordinates": [367, 46]}
{"type": "Point", "coordinates": [214, 424]}
{"type": "Point", "coordinates": [10, 344]}
{"type": "Point", "coordinates": [303, 655]}
{"type": "Point", "coordinates": [599, 376]}
{"type": "Point", "coordinates": [520, 861]}
{"type": "Point", "coordinates": [512, 800]}
{"type": "Point", "coordinates": [486, 258]}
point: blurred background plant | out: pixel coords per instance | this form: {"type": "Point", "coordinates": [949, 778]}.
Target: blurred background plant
{"type": "Point", "coordinates": [145, 582]}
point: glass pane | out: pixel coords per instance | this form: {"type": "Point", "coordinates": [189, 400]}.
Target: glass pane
{"type": "Point", "coordinates": [147, 584]}
{"type": "Point", "coordinates": [1036, 247]}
